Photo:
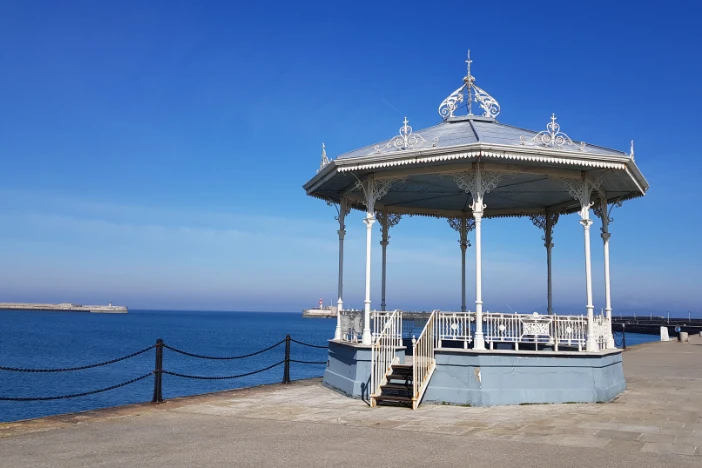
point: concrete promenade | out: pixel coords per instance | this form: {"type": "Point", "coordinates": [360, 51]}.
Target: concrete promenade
{"type": "Point", "coordinates": [657, 422]}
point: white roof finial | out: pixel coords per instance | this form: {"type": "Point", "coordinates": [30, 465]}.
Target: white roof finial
{"type": "Point", "coordinates": [469, 81]}
{"type": "Point", "coordinates": [325, 159]}
{"type": "Point", "coordinates": [631, 154]}
{"type": "Point", "coordinates": [487, 103]}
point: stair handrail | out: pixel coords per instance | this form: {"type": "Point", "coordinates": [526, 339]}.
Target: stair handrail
{"type": "Point", "coordinates": [383, 353]}
{"type": "Point", "coordinates": [423, 360]}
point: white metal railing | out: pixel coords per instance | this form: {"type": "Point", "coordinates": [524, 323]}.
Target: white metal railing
{"type": "Point", "coordinates": [600, 328]}
{"type": "Point", "coordinates": [351, 324]}
{"type": "Point", "coordinates": [569, 330]}
{"type": "Point", "coordinates": [515, 329]}
{"type": "Point", "coordinates": [454, 326]}
{"type": "Point", "coordinates": [378, 321]}
{"type": "Point", "coordinates": [423, 360]}
{"type": "Point", "coordinates": [383, 353]}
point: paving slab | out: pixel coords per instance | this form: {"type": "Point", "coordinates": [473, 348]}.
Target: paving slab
{"type": "Point", "coordinates": [656, 422]}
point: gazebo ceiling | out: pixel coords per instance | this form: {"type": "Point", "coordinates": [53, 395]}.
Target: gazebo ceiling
{"type": "Point", "coordinates": [425, 165]}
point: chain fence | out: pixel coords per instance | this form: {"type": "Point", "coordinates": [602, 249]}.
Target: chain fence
{"type": "Point", "coordinates": [159, 370]}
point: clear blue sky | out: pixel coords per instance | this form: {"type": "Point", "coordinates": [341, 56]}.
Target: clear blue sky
{"type": "Point", "coordinates": [153, 152]}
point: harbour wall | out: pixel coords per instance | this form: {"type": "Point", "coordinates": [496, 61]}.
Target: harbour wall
{"type": "Point", "coordinates": [64, 307]}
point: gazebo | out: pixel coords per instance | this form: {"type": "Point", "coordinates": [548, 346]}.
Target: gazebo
{"type": "Point", "coordinates": [467, 168]}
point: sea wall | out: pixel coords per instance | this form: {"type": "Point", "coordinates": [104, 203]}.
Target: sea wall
{"type": "Point", "coordinates": [64, 307]}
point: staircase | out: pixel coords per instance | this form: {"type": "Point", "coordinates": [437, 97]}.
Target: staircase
{"type": "Point", "coordinates": [398, 389]}
{"type": "Point", "coordinates": [402, 384]}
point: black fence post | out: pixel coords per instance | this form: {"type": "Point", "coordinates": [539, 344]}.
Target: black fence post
{"type": "Point", "coordinates": [286, 369]}
{"type": "Point", "coordinates": [158, 373]}
{"type": "Point", "coordinates": [624, 335]}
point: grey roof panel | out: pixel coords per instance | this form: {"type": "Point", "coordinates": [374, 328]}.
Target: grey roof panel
{"type": "Point", "coordinates": [471, 130]}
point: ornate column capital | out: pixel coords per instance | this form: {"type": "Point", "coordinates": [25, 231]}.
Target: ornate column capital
{"type": "Point", "coordinates": [463, 226]}
{"type": "Point", "coordinates": [606, 236]}
{"type": "Point", "coordinates": [477, 182]}
{"type": "Point", "coordinates": [373, 190]}
{"type": "Point", "coordinates": [342, 233]}
{"type": "Point", "coordinates": [369, 221]}
{"type": "Point", "coordinates": [586, 223]}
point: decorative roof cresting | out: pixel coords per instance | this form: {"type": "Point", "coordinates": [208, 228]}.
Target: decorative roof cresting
{"type": "Point", "coordinates": [325, 158]}
{"type": "Point", "coordinates": [406, 140]}
{"type": "Point", "coordinates": [464, 94]}
{"type": "Point", "coordinates": [552, 137]}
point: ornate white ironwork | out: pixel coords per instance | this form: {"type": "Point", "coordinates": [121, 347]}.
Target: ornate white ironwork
{"type": "Point", "coordinates": [449, 105]}
{"type": "Point", "coordinates": [490, 106]}
{"type": "Point", "coordinates": [457, 225]}
{"type": "Point", "coordinates": [467, 181]}
{"type": "Point", "coordinates": [552, 137]}
{"type": "Point", "coordinates": [541, 221]}
{"type": "Point", "coordinates": [325, 159]}
{"type": "Point", "coordinates": [599, 210]}
{"type": "Point", "coordinates": [532, 329]}
{"type": "Point", "coordinates": [387, 220]}
{"type": "Point", "coordinates": [373, 190]}
{"type": "Point", "coordinates": [488, 103]}
{"type": "Point", "coordinates": [406, 140]}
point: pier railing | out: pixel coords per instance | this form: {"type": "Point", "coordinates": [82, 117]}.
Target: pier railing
{"type": "Point", "coordinates": [160, 370]}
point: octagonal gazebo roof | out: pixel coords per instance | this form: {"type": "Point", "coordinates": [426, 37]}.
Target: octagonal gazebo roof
{"type": "Point", "coordinates": [423, 165]}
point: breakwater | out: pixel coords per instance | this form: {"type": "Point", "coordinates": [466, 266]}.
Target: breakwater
{"type": "Point", "coordinates": [651, 325]}
{"type": "Point", "coordinates": [64, 307]}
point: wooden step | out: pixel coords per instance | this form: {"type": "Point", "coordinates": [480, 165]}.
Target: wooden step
{"type": "Point", "coordinates": [396, 387]}
{"type": "Point", "coordinates": [403, 377]}
{"type": "Point", "coordinates": [399, 398]}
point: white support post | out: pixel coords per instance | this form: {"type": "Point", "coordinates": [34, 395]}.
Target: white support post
{"type": "Point", "coordinates": [343, 211]}
{"type": "Point", "coordinates": [587, 222]}
{"type": "Point", "coordinates": [603, 211]}
{"type": "Point", "coordinates": [464, 246]}
{"type": "Point", "coordinates": [478, 215]}
{"type": "Point", "coordinates": [582, 192]}
{"type": "Point", "coordinates": [384, 243]}
{"type": "Point", "coordinates": [366, 337]}
{"type": "Point", "coordinates": [478, 182]}
{"type": "Point", "coordinates": [373, 190]}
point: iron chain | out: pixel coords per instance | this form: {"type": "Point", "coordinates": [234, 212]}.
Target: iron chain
{"type": "Point", "coordinates": [76, 395]}
{"type": "Point", "coordinates": [70, 369]}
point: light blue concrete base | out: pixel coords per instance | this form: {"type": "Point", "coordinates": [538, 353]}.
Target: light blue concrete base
{"type": "Point", "coordinates": [511, 378]}
{"type": "Point", "coordinates": [489, 378]}
{"type": "Point", "coordinates": [348, 368]}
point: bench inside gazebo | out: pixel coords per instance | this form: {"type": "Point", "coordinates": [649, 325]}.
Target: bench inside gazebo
{"type": "Point", "coordinates": [465, 169]}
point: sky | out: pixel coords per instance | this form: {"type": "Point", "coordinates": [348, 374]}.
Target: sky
{"type": "Point", "coordinates": [153, 153]}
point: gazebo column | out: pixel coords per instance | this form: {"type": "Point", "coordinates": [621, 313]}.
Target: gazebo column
{"type": "Point", "coordinates": [373, 191]}
{"type": "Point", "coordinates": [546, 222]}
{"type": "Point", "coordinates": [478, 182]}
{"type": "Point", "coordinates": [463, 225]}
{"type": "Point", "coordinates": [344, 209]}
{"type": "Point", "coordinates": [603, 212]}
{"type": "Point", "coordinates": [582, 192]}
{"type": "Point", "coordinates": [387, 220]}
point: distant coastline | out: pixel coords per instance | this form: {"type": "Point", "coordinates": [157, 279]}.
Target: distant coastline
{"type": "Point", "coordinates": [64, 307]}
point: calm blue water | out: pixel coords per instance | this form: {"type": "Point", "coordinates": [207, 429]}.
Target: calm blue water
{"type": "Point", "coordinates": [63, 339]}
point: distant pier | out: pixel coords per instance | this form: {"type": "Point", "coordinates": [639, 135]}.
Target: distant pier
{"type": "Point", "coordinates": [65, 307]}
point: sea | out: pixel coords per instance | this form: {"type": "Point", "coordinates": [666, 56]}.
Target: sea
{"type": "Point", "coordinates": [40, 340]}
